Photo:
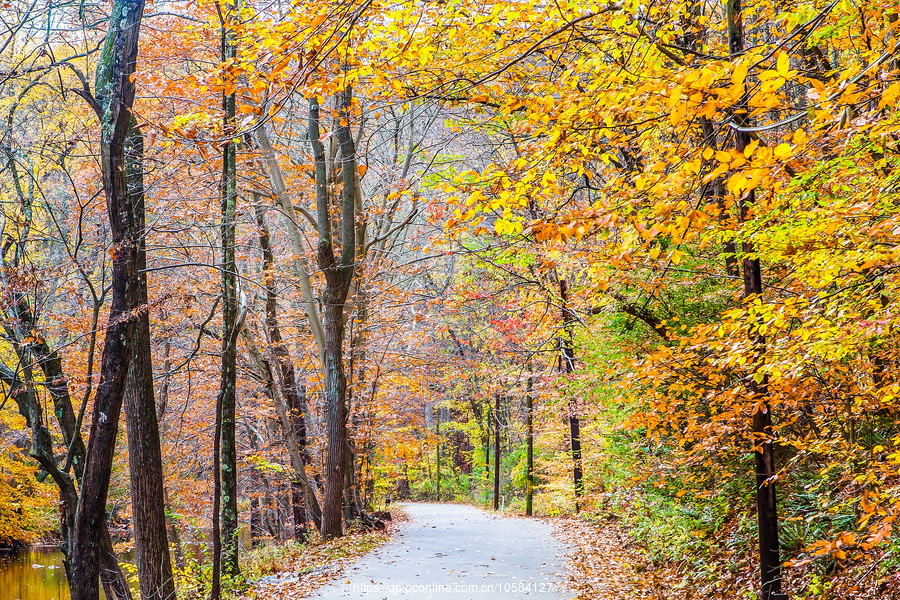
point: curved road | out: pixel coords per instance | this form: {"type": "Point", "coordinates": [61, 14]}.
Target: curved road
{"type": "Point", "coordinates": [454, 552]}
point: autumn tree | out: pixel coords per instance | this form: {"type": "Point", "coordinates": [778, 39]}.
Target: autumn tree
{"type": "Point", "coordinates": [114, 98]}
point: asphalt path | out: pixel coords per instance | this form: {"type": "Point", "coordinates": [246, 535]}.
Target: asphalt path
{"type": "Point", "coordinates": [455, 552]}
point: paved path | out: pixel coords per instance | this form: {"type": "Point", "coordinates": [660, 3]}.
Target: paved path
{"type": "Point", "coordinates": [453, 552]}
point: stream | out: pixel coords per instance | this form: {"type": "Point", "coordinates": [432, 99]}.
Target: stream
{"type": "Point", "coordinates": [33, 574]}
{"type": "Point", "coordinates": [37, 574]}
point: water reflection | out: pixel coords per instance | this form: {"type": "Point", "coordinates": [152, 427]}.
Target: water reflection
{"type": "Point", "coordinates": [33, 574]}
{"type": "Point", "coordinates": [38, 573]}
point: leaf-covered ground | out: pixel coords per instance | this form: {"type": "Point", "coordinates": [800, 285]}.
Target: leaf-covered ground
{"type": "Point", "coordinates": [606, 563]}
{"type": "Point", "coordinates": [603, 564]}
{"type": "Point", "coordinates": [294, 572]}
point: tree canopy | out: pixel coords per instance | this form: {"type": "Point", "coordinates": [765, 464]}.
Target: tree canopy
{"type": "Point", "coordinates": [633, 260]}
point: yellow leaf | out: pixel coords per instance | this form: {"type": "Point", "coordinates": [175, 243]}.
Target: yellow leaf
{"type": "Point", "coordinates": [784, 64]}
{"type": "Point", "coordinates": [782, 151]}
{"type": "Point", "coordinates": [889, 96]}
{"type": "Point", "coordinates": [751, 147]}
{"type": "Point", "coordinates": [770, 84]}
{"type": "Point", "coordinates": [739, 74]}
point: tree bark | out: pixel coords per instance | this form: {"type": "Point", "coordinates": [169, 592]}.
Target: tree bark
{"type": "Point", "coordinates": [338, 278]}
{"type": "Point", "coordinates": [529, 444]}
{"type": "Point", "coordinates": [335, 417]}
{"type": "Point", "coordinates": [226, 559]}
{"type": "Point", "coordinates": [437, 452]}
{"type": "Point", "coordinates": [57, 384]}
{"type": "Point", "coordinates": [297, 418]}
{"type": "Point", "coordinates": [497, 452]}
{"type": "Point", "coordinates": [144, 453]}
{"type": "Point", "coordinates": [291, 403]}
{"type": "Point", "coordinates": [764, 456]}
{"type": "Point", "coordinates": [567, 364]}
{"type": "Point", "coordinates": [294, 398]}
{"type": "Point", "coordinates": [354, 507]}
{"type": "Point", "coordinates": [486, 441]}
{"type": "Point", "coordinates": [301, 266]}
{"type": "Point", "coordinates": [172, 529]}
{"type": "Point", "coordinates": [115, 97]}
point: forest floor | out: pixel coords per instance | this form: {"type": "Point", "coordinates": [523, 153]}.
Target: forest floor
{"type": "Point", "coordinates": [604, 565]}
{"type": "Point", "coordinates": [291, 572]}
{"type": "Point", "coordinates": [458, 552]}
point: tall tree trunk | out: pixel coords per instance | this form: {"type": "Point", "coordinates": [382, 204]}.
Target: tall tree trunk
{"type": "Point", "coordinates": [226, 560]}
{"type": "Point", "coordinates": [290, 219]}
{"type": "Point", "coordinates": [291, 404]}
{"type": "Point", "coordinates": [353, 503]}
{"type": "Point", "coordinates": [437, 452]}
{"type": "Point", "coordinates": [766, 501]}
{"type": "Point", "coordinates": [215, 590]}
{"type": "Point", "coordinates": [567, 364]}
{"type": "Point", "coordinates": [360, 415]}
{"type": "Point", "coordinates": [486, 441]}
{"type": "Point", "coordinates": [297, 417]}
{"type": "Point", "coordinates": [335, 417]}
{"type": "Point", "coordinates": [173, 532]}
{"type": "Point", "coordinates": [115, 97]}
{"type": "Point", "coordinates": [144, 453]}
{"type": "Point", "coordinates": [529, 444]}
{"type": "Point", "coordinates": [338, 278]}
{"type": "Point", "coordinates": [50, 364]}
{"type": "Point", "coordinates": [497, 452]}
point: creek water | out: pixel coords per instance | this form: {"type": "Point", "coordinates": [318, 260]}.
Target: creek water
{"type": "Point", "coordinates": [37, 574]}
{"type": "Point", "coordinates": [33, 574]}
